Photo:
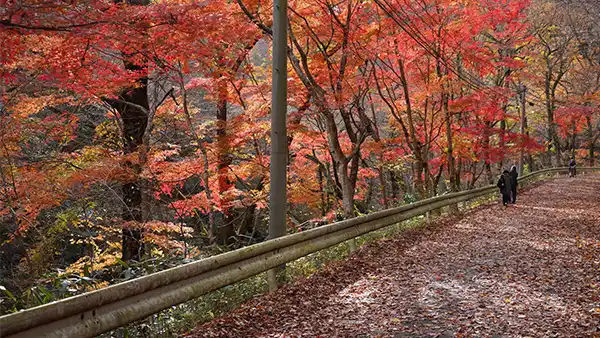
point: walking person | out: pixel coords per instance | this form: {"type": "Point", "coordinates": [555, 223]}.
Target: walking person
{"type": "Point", "coordinates": [513, 183]}
{"type": "Point", "coordinates": [572, 167]}
{"type": "Point", "coordinates": [505, 187]}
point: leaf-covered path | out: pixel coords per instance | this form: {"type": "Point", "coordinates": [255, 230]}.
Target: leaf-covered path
{"type": "Point", "coordinates": [532, 269]}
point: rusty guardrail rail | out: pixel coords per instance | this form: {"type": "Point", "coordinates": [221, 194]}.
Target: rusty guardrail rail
{"type": "Point", "coordinates": [99, 311]}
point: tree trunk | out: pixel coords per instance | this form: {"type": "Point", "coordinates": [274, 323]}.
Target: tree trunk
{"type": "Point", "coordinates": [347, 197]}
{"type": "Point", "coordinates": [206, 167]}
{"type": "Point", "coordinates": [553, 144]}
{"type": "Point", "coordinates": [321, 190]}
{"type": "Point", "coordinates": [130, 105]}
{"type": "Point", "coordinates": [457, 172]}
{"type": "Point", "coordinates": [486, 154]}
{"type": "Point", "coordinates": [384, 196]}
{"type": "Point", "coordinates": [223, 228]}
{"type": "Point", "coordinates": [501, 143]}
{"type": "Point", "coordinates": [247, 220]}
{"type": "Point", "coordinates": [415, 144]}
{"type": "Point", "coordinates": [530, 161]}
{"type": "Point", "coordinates": [591, 140]}
{"type": "Point", "coordinates": [347, 190]}
{"type": "Point", "coordinates": [523, 102]}
{"type": "Point", "coordinates": [573, 139]}
{"type": "Point", "coordinates": [394, 185]}
{"type": "Point", "coordinates": [449, 155]}
{"type": "Point", "coordinates": [134, 108]}
{"type": "Point", "coordinates": [380, 169]}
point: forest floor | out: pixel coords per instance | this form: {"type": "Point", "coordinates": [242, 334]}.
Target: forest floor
{"type": "Point", "coordinates": [530, 269]}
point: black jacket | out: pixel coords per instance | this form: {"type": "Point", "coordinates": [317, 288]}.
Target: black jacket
{"type": "Point", "coordinates": [504, 183]}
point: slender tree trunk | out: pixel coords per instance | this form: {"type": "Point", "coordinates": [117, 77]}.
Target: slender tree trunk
{"type": "Point", "coordinates": [415, 144]}
{"type": "Point", "coordinates": [530, 161]}
{"type": "Point", "coordinates": [449, 152]}
{"type": "Point", "coordinates": [382, 184]}
{"type": "Point", "coordinates": [457, 174]}
{"type": "Point", "coordinates": [523, 102]}
{"type": "Point", "coordinates": [394, 185]}
{"type": "Point", "coordinates": [345, 177]}
{"type": "Point", "coordinates": [206, 167]}
{"type": "Point", "coordinates": [380, 169]}
{"type": "Point", "coordinates": [435, 181]}
{"type": "Point", "coordinates": [501, 143]}
{"type": "Point", "coordinates": [573, 139]}
{"type": "Point", "coordinates": [486, 154]}
{"type": "Point", "coordinates": [223, 229]}
{"type": "Point", "coordinates": [368, 196]}
{"type": "Point", "coordinates": [331, 187]}
{"type": "Point", "coordinates": [591, 140]}
{"type": "Point", "coordinates": [321, 190]}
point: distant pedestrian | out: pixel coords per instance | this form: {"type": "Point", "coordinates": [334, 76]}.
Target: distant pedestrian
{"type": "Point", "coordinates": [572, 167]}
{"type": "Point", "coordinates": [505, 187]}
{"type": "Point", "coordinates": [513, 183]}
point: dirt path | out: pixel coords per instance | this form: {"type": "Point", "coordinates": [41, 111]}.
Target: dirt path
{"type": "Point", "coordinates": [532, 269]}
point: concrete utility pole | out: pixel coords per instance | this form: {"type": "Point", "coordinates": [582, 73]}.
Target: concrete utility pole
{"type": "Point", "coordinates": [279, 146]}
{"type": "Point", "coordinates": [522, 90]}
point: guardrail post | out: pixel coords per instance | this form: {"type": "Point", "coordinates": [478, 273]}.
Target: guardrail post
{"type": "Point", "coordinates": [352, 245]}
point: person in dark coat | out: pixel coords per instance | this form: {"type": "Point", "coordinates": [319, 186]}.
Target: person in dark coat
{"type": "Point", "coordinates": [513, 183]}
{"type": "Point", "coordinates": [572, 167]}
{"type": "Point", "coordinates": [505, 187]}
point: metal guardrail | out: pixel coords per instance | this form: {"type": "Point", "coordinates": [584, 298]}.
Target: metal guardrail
{"type": "Point", "coordinates": [99, 311]}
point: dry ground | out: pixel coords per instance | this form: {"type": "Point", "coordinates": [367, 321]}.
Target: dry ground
{"type": "Point", "coordinates": [529, 270]}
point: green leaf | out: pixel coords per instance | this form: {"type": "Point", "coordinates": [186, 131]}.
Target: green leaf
{"type": "Point", "coordinates": [48, 297]}
{"type": "Point", "coordinates": [8, 293]}
{"type": "Point", "coordinates": [123, 264]}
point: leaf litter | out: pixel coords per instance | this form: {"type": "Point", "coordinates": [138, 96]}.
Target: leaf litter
{"type": "Point", "coordinates": [528, 270]}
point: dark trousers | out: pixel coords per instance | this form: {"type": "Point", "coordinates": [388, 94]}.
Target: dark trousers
{"type": "Point", "coordinates": [505, 198]}
{"type": "Point", "coordinates": [514, 195]}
